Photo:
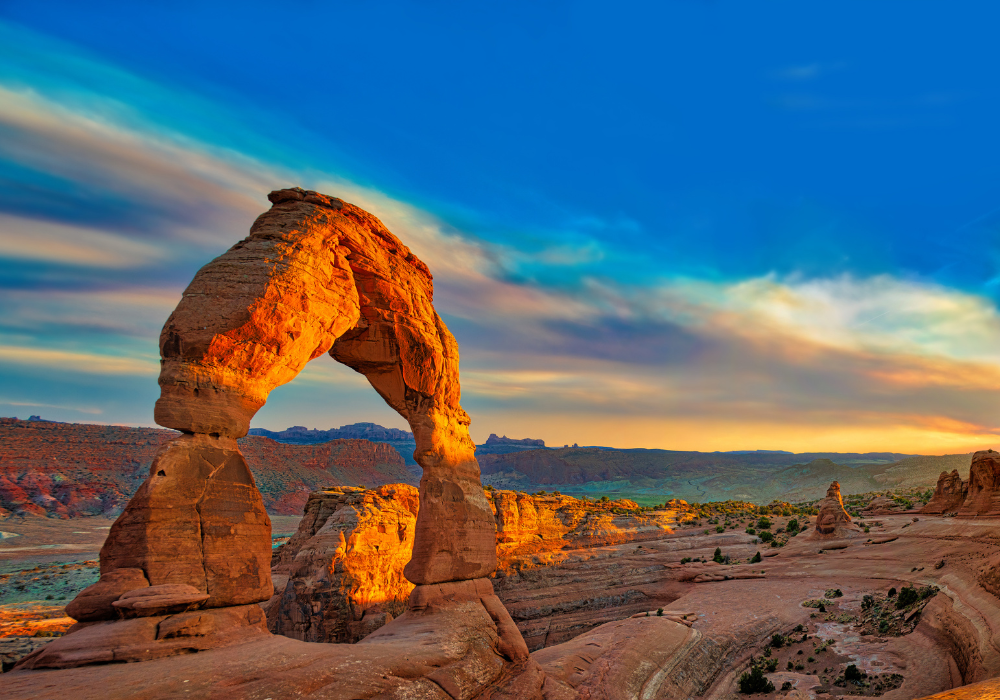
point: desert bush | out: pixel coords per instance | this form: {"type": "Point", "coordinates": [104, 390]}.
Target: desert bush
{"type": "Point", "coordinates": [892, 592]}
{"type": "Point", "coordinates": [756, 558]}
{"type": "Point", "coordinates": [771, 665]}
{"type": "Point", "coordinates": [834, 593]}
{"type": "Point", "coordinates": [717, 557]}
{"type": "Point", "coordinates": [777, 641]}
{"type": "Point", "coordinates": [867, 602]}
{"type": "Point", "coordinates": [792, 525]}
{"type": "Point", "coordinates": [787, 685]}
{"type": "Point", "coordinates": [766, 536]}
{"type": "Point", "coordinates": [853, 674]}
{"type": "Point", "coordinates": [659, 612]}
{"type": "Point", "coordinates": [751, 531]}
{"type": "Point", "coordinates": [764, 524]}
{"type": "Point", "coordinates": [754, 681]}
{"type": "Point", "coordinates": [685, 560]}
{"type": "Point", "coordinates": [720, 528]}
{"type": "Point", "coordinates": [907, 596]}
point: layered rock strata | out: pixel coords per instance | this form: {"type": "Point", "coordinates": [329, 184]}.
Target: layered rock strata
{"type": "Point", "coordinates": [949, 494]}
{"type": "Point", "coordinates": [833, 521]}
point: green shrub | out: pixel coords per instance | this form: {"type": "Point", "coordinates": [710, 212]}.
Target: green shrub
{"type": "Point", "coordinates": [853, 674]}
{"type": "Point", "coordinates": [685, 560]}
{"type": "Point", "coordinates": [720, 528]}
{"type": "Point", "coordinates": [907, 596]}
{"type": "Point", "coordinates": [777, 641]}
{"type": "Point", "coordinates": [756, 558]}
{"type": "Point", "coordinates": [766, 536]}
{"type": "Point", "coordinates": [754, 681]}
{"type": "Point", "coordinates": [659, 612]}
{"type": "Point", "coordinates": [892, 592]}
{"type": "Point", "coordinates": [771, 665]}
{"type": "Point", "coordinates": [764, 524]}
{"type": "Point", "coordinates": [717, 557]}
{"type": "Point", "coordinates": [751, 531]}
{"type": "Point", "coordinates": [793, 525]}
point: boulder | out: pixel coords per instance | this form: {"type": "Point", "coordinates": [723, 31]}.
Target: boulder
{"type": "Point", "coordinates": [160, 600]}
{"type": "Point", "coordinates": [949, 495]}
{"type": "Point", "coordinates": [95, 602]}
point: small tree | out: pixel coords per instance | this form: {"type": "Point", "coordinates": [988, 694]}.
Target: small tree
{"type": "Point", "coordinates": [756, 558]}
{"type": "Point", "coordinates": [717, 557]}
{"type": "Point", "coordinates": [754, 681]}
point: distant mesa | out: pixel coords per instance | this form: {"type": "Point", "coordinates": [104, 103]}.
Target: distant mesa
{"type": "Point", "coordinates": [355, 431]}
{"type": "Point", "coordinates": [494, 440]}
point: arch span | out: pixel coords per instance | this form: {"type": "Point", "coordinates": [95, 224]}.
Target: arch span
{"type": "Point", "coordinates": [316, 275]}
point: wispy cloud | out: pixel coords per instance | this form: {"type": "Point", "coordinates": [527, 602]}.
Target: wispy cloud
{"type": "Point", "coordinates": [81, 362]}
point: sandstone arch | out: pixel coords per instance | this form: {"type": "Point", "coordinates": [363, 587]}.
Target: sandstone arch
{"type": "Point", "coordinates": [315, 275]}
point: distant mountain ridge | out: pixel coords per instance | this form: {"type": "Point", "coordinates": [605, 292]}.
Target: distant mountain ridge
{"type": "Point", "coordinates": [711, 476]}
{"type": "Point", "coordinates": [355, 431]}
{"type": "Point", "coordinates": [74, 469]}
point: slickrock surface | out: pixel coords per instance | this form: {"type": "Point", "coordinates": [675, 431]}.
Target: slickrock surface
{"type": "Point", "coordinates": [949, 495]}
{"type": "Point", "coordinates": [833, 521]}
{"type": "Point", "coordinates": [340, 576]}
{"type": "Point", "coordinates": [76, 469]}
{"type": "Point", "coordinates": [983, 496]}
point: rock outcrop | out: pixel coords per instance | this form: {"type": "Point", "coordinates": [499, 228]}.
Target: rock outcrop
{"type": "Point", "coordinates": [949, 495]}
{"type": "Point", "coordinates": [983, 496]}
{"type": "Point", "coordinates": [340, 576]}
{"type": "Point", "coordinates": [833, 520]}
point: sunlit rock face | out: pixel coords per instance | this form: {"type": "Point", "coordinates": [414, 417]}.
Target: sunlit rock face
{"type": "Point", "coordinates": [316, 275]}
{"type": "Point", "coordinates": [340, 576]}
{"type": "Point", "coordinates": [833, 520]}
{"type": "Point", "coordinates": [984, 485]}
{"type": "Point", "coordinates": [949, 495]}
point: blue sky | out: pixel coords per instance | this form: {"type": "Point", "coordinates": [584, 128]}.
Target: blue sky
{"type": "Point", "coordinates": [711, 225]}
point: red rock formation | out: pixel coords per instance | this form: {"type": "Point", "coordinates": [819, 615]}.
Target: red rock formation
{"type": "Point", "coordinates": [340, 576]}
{"type": "Point", "coordinates": [198, 520]}
{"type": "Point", "coordinates": [315, 275]}
{"type": "Point", "coordinates": [949, 495]}
{"type": "Point", "coordinates": [983, 496]}
{"type": "Point", "coordinates": [832, 520]}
